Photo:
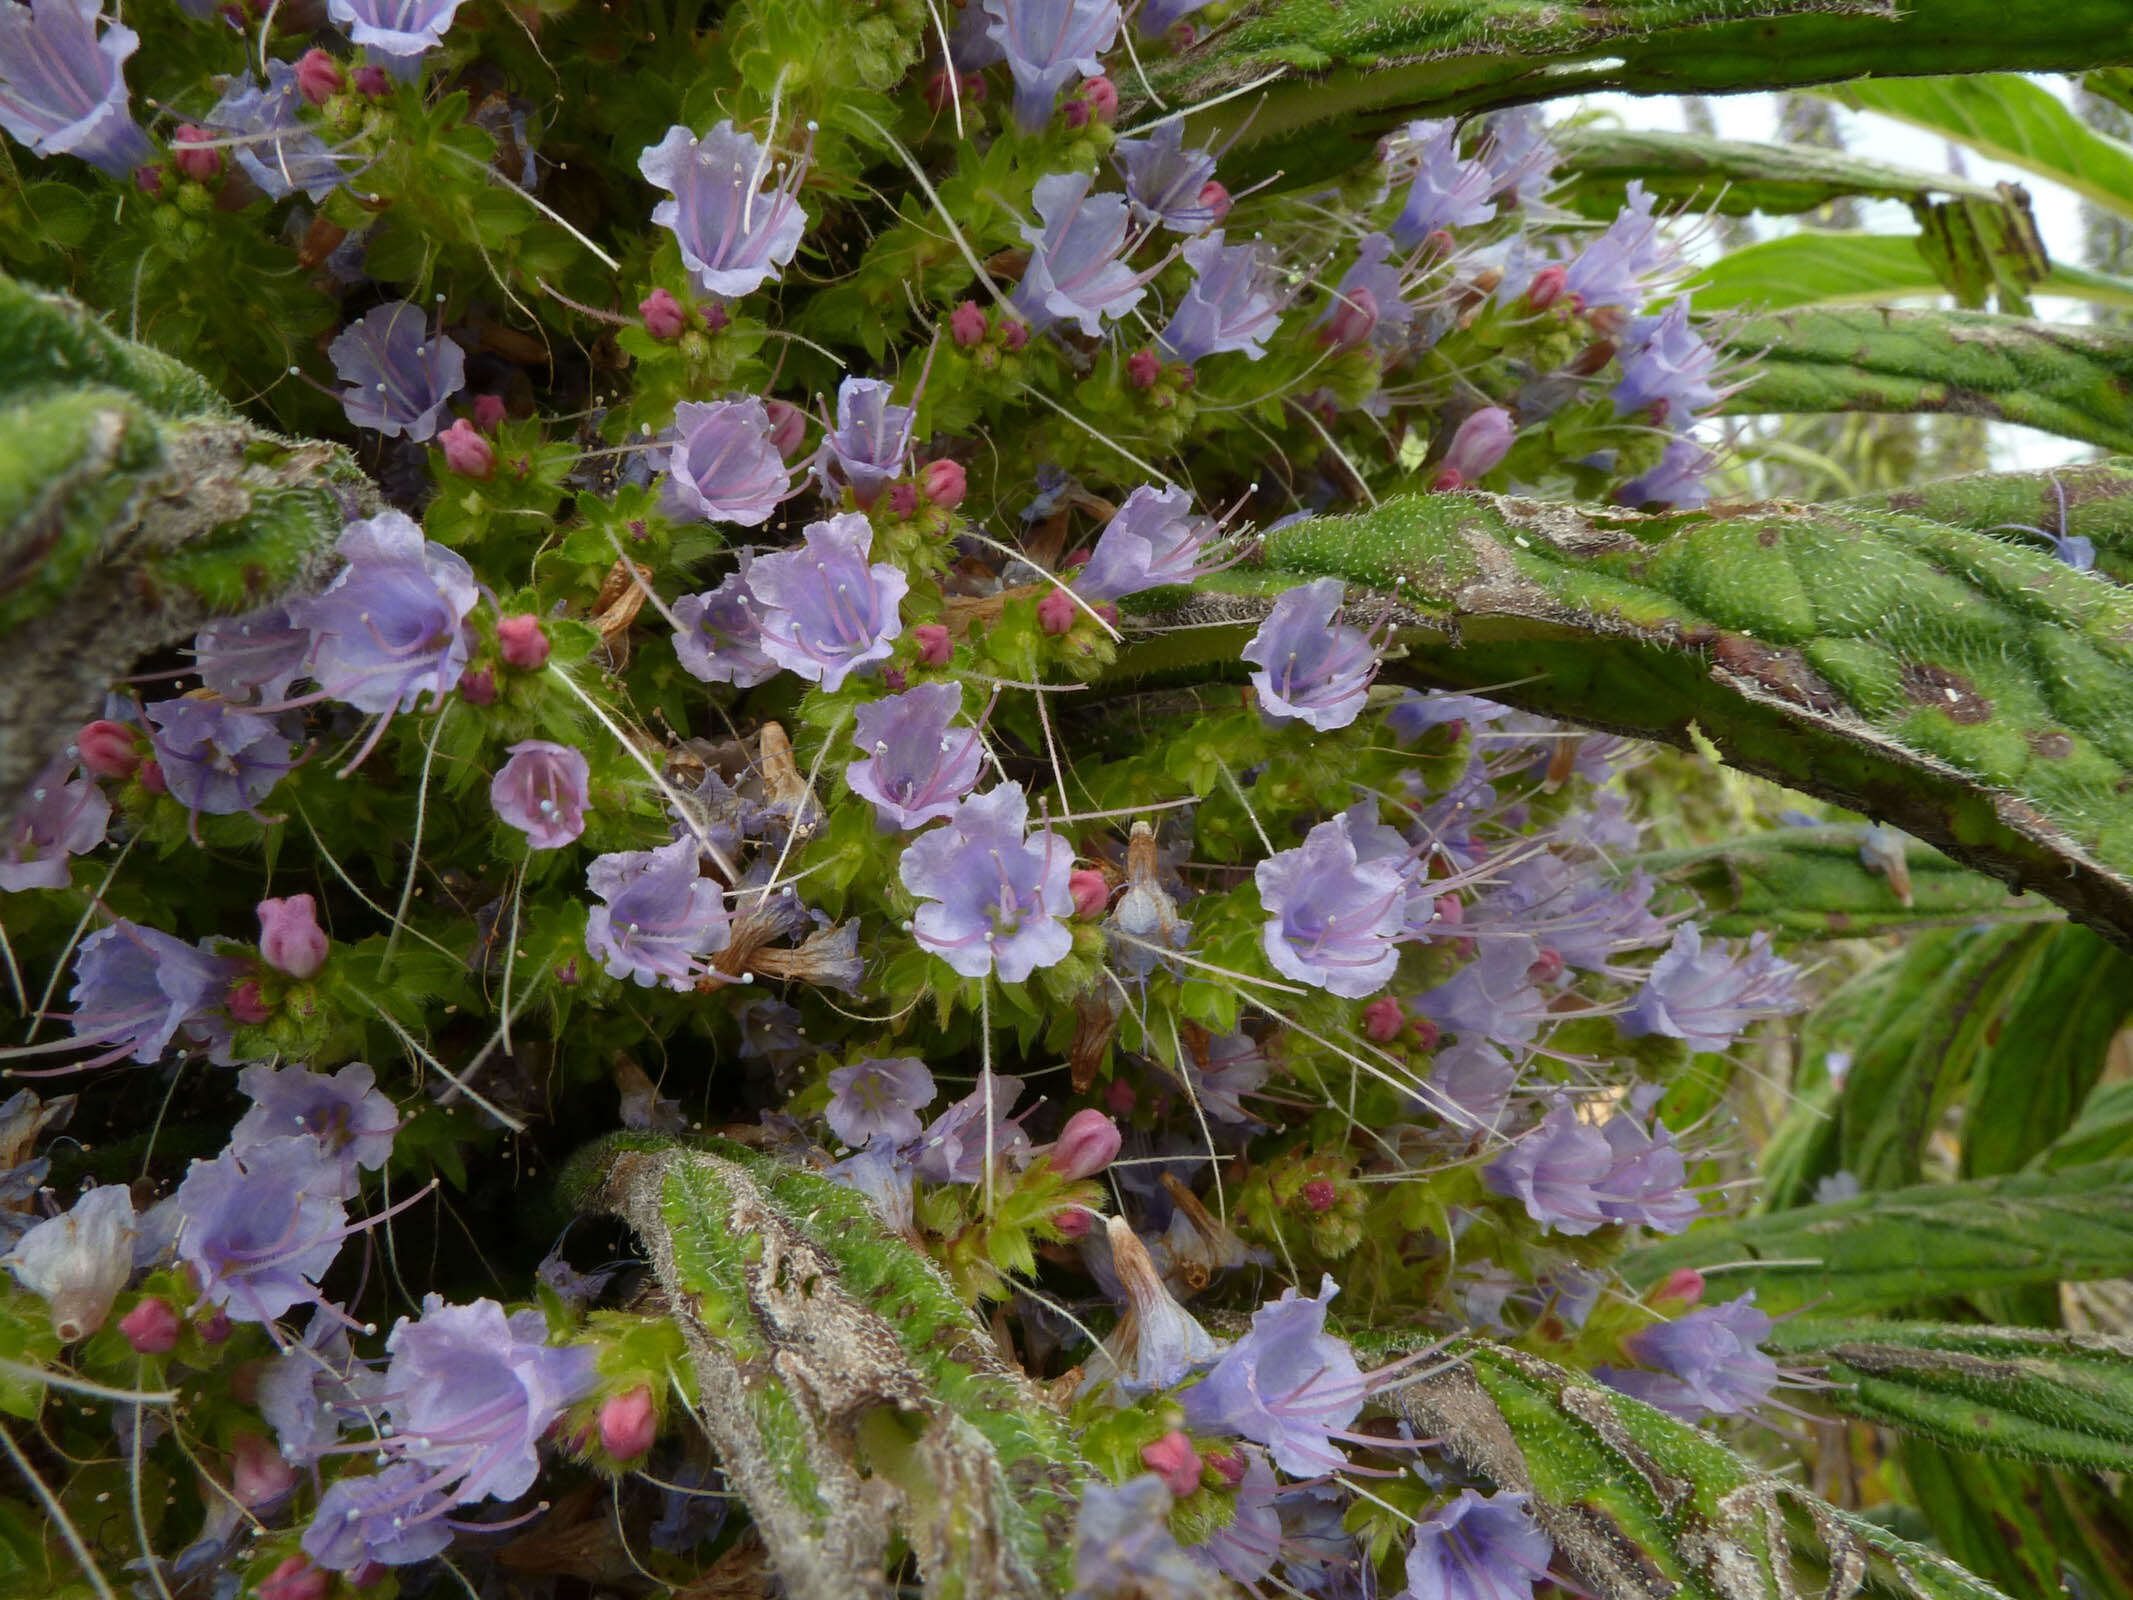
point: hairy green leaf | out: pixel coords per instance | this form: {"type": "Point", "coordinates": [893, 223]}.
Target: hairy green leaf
{"type": "Point", "coordinates": [2103, 1132]}
{"type": "Point", "coordinates": [2095, 498]}
{"type": "Point", "coordinates": [2027, 1528]}
{"type": "Point", "coordinates": [1736, 177]}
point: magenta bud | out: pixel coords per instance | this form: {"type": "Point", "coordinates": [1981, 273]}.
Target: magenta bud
{"type": "Point", "coordinates": [1483, 440]}
{"type": "Point", "coordinates": [894, 681]}
{"type": "Point", "coordinates": [1451, 910]}
{"type": "Point", "coordinates": [1678, 1290]}
{"type": "Point", "coordinates": [289, 935]}
{"type": "Point", "coordinates": [664, 316]}
{"type": "Point", "coordinates": [1142, 369]}
{"type": "Point", "coordinates": [1319, 1195]}
{"type": "Point", "coordinates": [371, 82]}
{"type": "Point", "coordinates": [319, 77]}
{"type": "Point", "coordinates": [246, 1004]}
{"type": "Point", "coordinates": [903, 499]}
{"type": "Point", "coordinates": [488, 412]}
{"type": "Point", "coordinates": [107, 750]}
{"type": "Point", "coordinates": [151, 1327]}
{"type": "Point", "coordinates": [628, 1424]}
{"type": "Point", "coordinates": [1547, 286]}
{"type": "Point", "coordinates": [152, 778]}
{"type": "Point", "coordinates": [1547, 967]}
{"type": "Point", "coordinates": [934, 648]}
{"type": "Point", "coordinates": [1091, 894]}
{"type": "Point", "coordinates": [1074, 1222]}
{"type": "Point", "coordinates": [1355, 316]}
{"type": "Point", "coordinates": [967, 324]}
{"type": "Point", "coordinates": [197, 164]}
{"type": "Point", "coordinates": [214, 1327]}
{"type": "Point", "coordinates": [149, 180]}
{"type": "Point", "coordinates": [567, 974]}
{"type": "Point", "coordinates": [466, 452]}
{"type": "Point", "coordinates": [1119, 1096]}
{"type": "Point", "coordinates": [297, 1579]}
{"type": "Point", "coordinates": [714, 316]}
{"type": "Point", "coordinates": [1055, 612]}
{"type": "Point", "coordinates": [945, 483]}
{"type": "Point", "coordinates": [1087, 1144]}
{"type": "Point", "coordinates": [522, 644]}
{"type": "Point", "coordinates": [1100, 95]}
{"type": "Point", "coordinates": [941, 90]}
{"type": "Point", "coordinates": [477, 686]}
{"type": "Point", "coordinates": [1014, 333]}
{"type": "Point", "coordinates": [1215, 197]}
{"type": "Point", "coordinates": [1383, 1019]}
{"type": "Point", "coordinates": [258, 1474]}
{"type": "Point", "coordinates": [1231, 1465]}
{"type": "Point", "coordinates": [788, 426]}
{"type": "Point", "coordinates": [1173, 1459]}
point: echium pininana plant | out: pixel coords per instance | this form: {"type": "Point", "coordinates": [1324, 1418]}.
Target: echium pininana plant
{"type": "Point", "coordinates": [717, 716]}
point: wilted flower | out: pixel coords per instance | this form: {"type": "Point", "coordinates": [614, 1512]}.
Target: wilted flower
{"type": "Point", "coordinates": [1157, 1343]}
{"type": "Point", "coordinates": [1047, 42]}
{"type": "Point", "coordinates": [1331, 919]}
{"type": "Point", "coordinates": [543, 791]}
{"type": "Point", "coordinates": [1167, 183]}
{"type": "Point", "coordinates": [734, 236]}
{"type": "Point", "coordinates": [879, 1098]}
{"type": "Point", "coordinates": [399, 374]}
{"type": "Point", "coordinates": [277, 148]}
{"type": "Point", "coordinates": [260, 1229]}
{"type": "Point", "coordinates": [1709, 997]}
{"type": "Point", "coordinates": [1709, 1360]}
{"type": "Point", "coordinates": [78, 1261]}
{"type": "Point", "coordinates": [1666, 367]}
{"type": "Point", "coordinates": [395, 27]}
{"type": "Point", "coordinates": [1230, 306]}
{"type": "Point", "coordinates": [870, 443]}
{"type": "Point", "coordinates": [722, 633]}
{"type": "Point", "coordinates": [1478, 1547]}
{"type": "Point", "coordinates": [350, 1120]}
{"type": "Point", "coordinates": [63, 815]}
{"type": "Point", "coordinates": [1074, 272]}
{"type": "Point", "coordinates": [1154, 538]}
{"type": "Point", "coordinates": [992, 896]}
{"type": "Point", "coordinates": [63, 90]}
{"type": "Point", "coordinates": [1311, 668]}
{"type": "Point", "coordinates": [389, 628]}
{"type": "Point", "coordinates": [660, 916]}
{"type": "Point", "coordinates": [1449, 191]}
{"type": "Point", "coordinates": [1287, 1384]}
{"type": "Point", "coordinates": [721, 464]}
{"type": "Point", "coordinates": [390, 1518]}
{"type": "Point", "coordinates": [217, 759]}
{"type": "Point", "coordinates": [918, 763]}
{"type": "Point", "coordinates": [825, 611]}
{"type": "Point", "coordinates": [290, 939]}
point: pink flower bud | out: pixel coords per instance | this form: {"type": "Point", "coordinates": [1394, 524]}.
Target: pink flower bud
{"type": "Point", "coordinates": [967, 324]}
{"type": "Point", "coordinates": [1119, 1096]}
{"type": "Point", "coordinates": [152, 778]}
{"type": "Point", "coordinates": [214, 1327]}
{"type": "Point", "coordinates": [522, 644]}
{"type": "Point", "coordinates": [788, 426]}
{"type": "Point", "coordinates": [945, 483]}
{"type": "Point", "coordinates": [290, 938]}
{"type": "Point", "coordinates": [1215, 197]}
{"type": "Point", "coordinates": [149, 180]}
{"type": "Point", "coordinates": [1677, 1291]}
{"type": "Point", "coordinates": [1451, 910]}
{"type": "Point", "coordinates": [934, 649]}
{"type": "Point", "coordinates": [941, 90]}
{"type": "Point", "coordinates": [1014, 332]}
{"type": "Point", "coordinates": [199, 165]}
{"type": "Point", "coordinates": [1547, 967]}
{"type": "Point", "coordinates": [1547, 286]}
{"type": "Point", "coordinates": [1055, 612]}
{"type": "Point", "coordinates": [371, 82]}
{"type": "Point", "coordinates": [1101, 96]}
{"type": "Point", "coordinates": [107, 750]}
{"type": "Point", "coordinates": [466, 452]}
{"type": "Point", "coordinates": [1425, 1031]}
{"type": "Point", "coordinates": [245, 1004]}
{"type": "Point", "coordinates": [297, 1579]}
{"type": "Point", "coordinates": [664, 316]}
{"type": "Point", "coordinates": [319, 77]}
{"type": "Point", "coordinates": [1231, 1465]}
{"type": "Point", "coordinates": [1319, 1195]}
{"type": "Point", "coordinates": [1142, 369]}
{"type": "Point", "coordinates": [714, 316]}
{"type": "Point", "coordinates": [477, 686]}
{"type": "Point", "coordinates": [488, 412]}
{"type": "Point", "coordinates": [1483, 440]}
{"type": "Point", "coordinates": [1086, 1145]}
{"type": "Point", "coordinates": [1173, 1459]}
{"type": "Point", "coordinates": [894, 681]}
{"type": "Point", "coordinates": [151, 1327]}
{"type": "Point", "coordinates": [258, 1474]}
{"type": "Point", "coordinates": [628, 1424]}
{"type": "Point", "coordinates": [1383, 1019]}
{"type": "Point", "coordinates": [1355, 316]}
{"type": "Point", "coordinates": [903, 499]}
{"type": "Point", "coordinates": [1074, 1222]}
{"type": "Point", "coordinates": [1091, 894]}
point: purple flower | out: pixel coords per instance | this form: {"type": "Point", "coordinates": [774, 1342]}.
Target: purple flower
{"type": "Point", "coordinates": [955, 1147]}
{"type": "Point", "coordinates": [345, 1115]}
{"type": "Point", "coordinates": [734, 236]}
{"type": "Point", "coordinates": [1556, 1171]}
{"type": "Point", "coordinates": [1287, 1384]}
{"type": "Point", "coordinates": [1368, 301]}
{"type": "Point", "coordinates": [1074, 272]}
{"type": "Point", "coordinates": [542, 792]}
{"type": "Point", "coordinates": [1449, 191]}
{"type": "Point", "coordinates": [260, 1229]}
{"type": "Point", "coordinates": [399, 374]}
{"type": "Point", "coordinates": [918, 763]}
{"type": "Point", "coordinates": [992, 896]}
{"type": "Point", "coordinates": [1387, 846]}
{"type": "Point", "coordinates": [1708, 997]}
{"type": "Point", "coordinates": [78, 1261]}
{"type": "Point", "coordinates": [825, 611]}
{"type": "Point", "coordinates": [389, 628]}
{"type": "Point", "coordinates": [1244, 1550]}
{"type": "Point", "coordinates": [882, 1172]}
{"type": "Point", "coordinates": [1478, 1547]}
{"type": "Point", "coordinates": [1469, 1084]}
{"type": "Point", "coordinates": [389, 1519]}
{"type": "Point", "coordinates": [660, 915]}
{"type": "Point", "coordinates": [1519, 155]}
{"type": "Point", "coordinates": [1492, 996]}
{"type": "Point", "coordinates": [1709, 1359]}
{"type": "Point", "coordinates": [1157, 17]}
{"type": "Point", "coordinates": [1676, 481]}
{"type": "Point", "coordinates": [290, 939]}
{"type": "Point", "coordinates": [395, 27]}
{"type": "Point", "coordinates": [1585, 920]}
{"type": "Point", "coordinates": [1230, 306]}
{"type": "Point", "coordinates": [263, 652]}
{"type": "Point", "coordinates": [470, 1392]}
{"type": "Point", "coordinates": [278, 149]}
{"type": "Point", "coordinates": [871, 442]}
{"type": "Point", "coordinates": [217, 759]}
{"type": "Point", "coordinates": [63, 90]}
{"type": "Point", "coordinates": [970, 43]}
{"type": "Point", "coordinates": [1666, 365]}
{"type": "Point", "coordinates": [1236, 1066]}
{"type": "Point", "coordinates": [1123, 1549]}
{"type": "Point", "coordinates": [1046, 42]}
{"type": "Point", "coordinates": [65, 814]}
{"type": "Point", "coordinates": [1311, 668]}
{"type": "Point", "coordinates": [1415, 714]}
{"type": "Point", "coordinates": [304, 1390]}
{"type": "Point", "coordinates": [879, 1097]}
{"type": "Point", "coordinates": [1613, 269]}
{"type": "Point", "coordinates": [1331, 920]}
{"type": "Point", "coordinates": [1154, 539]}
{"type": "Point", "coordinates": [1646, 1186]}
{"type": "Point", "coordinates": [720, 463]}
{"type": "Point", "coordinates": [1164, 180]}
{"type": "Point", "coordinates": [722, 633]}
{"type": "Point", "coordinates": [134, 988]}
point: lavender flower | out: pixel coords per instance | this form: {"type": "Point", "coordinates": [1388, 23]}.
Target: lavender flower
{"type": "Point", "coordinates": [1331, 920]}
{"type": "Point", "coordinates": [1287, 1384]}
{"type": "Point", "coordinates": [1368, 302]}
{"type": "Point", "coordinates": [278, 150]}
{"type": "Point", "coordinates": [1478, 1547]}
{"type": "Point", "coordinates": [1154, 539]}
{"type": "Point", "coordinates": [78, 1261]}
{"type": "Point", "coordinates": [1709, 1360]}
{"type": "Point", "coordinates": [1311, 668]}
{"type": "Point", "coordinates": [1243, 1551]}
{"type": "Point", "coordinates": [470, 1391]}
{"type": "Point", "coordinates": [64, 815]}
{"type": "Point", "coordinates": [345, 1115]}
{"type": "Point", "coordinates": [260, 1229]}
{"type": "Point", "coordinates": [659, 915]}
{"type": "Point", "coordinates": [1709, 997]}
{"type": "Point", "coordinates": [919, 764]}
{"type": "Point", "coordinates": [721, 464]}
{"type": "Point", "coordinates": [1230, 306]}
{"type": "Point", "coordinates": [879, 1098]}
{"type": "Point", "coordinates": [1449, 191]}
{"type": "Point", "coordinates": [1415, 714]}
{"type": "Point", "coordinates": [217, 759]}
{"type": "Point", "coordinates": [262, 653]}
{"type": "Point", "coordinates": [954, 1149]}
{"type": "Point", "coordinates": [1074, 272]}
{"type": "Point", "coordinates": [734, 236]}
{"type": "Point", "coordinates": [1613, 269]}
{"type": "Point", "coordinates": [1236, 1066]}
{"type": "Point", "coordinates": [389, 1519]}
{"type": "Point", "coordinates": [1519, 155]}
{"type": "Point", "coordinates": [399, 374]}
{"type": "Point", "coordinates": [1165, 181]}
{"type": "Point", "coordinates": [63, 90]}
{"type": "Point", "coordinates": [1492, 996]}
{"type": "Point", "coordinates": [1666, 366]}
{"type": "Point", "coordinates": [993, 897]}
{"type": "Point", "coordinates": [1469, 1084]}
{"type": "Point", "coordinates": [871, 442]}
{"type": "Point", "coordinates": [134, 988]}
{"type": "Point", "coordinates": [1157, 17]}
{"type": "Point", "coordinates": [306, 1388]}
{"type": "Point", "coordinates": [1676, 481]}
{"type": "Point", "coordinates": [1645, 1187]}
{"type": "Point", "coordinates": [721, 637]}
{"type": "Point", "coordinates": [884, 1173]}
{"type": "Point", "coordinates": [395, 27]}
{"type": "Point", "coordinates": [1047, 42]}
{"type": "Point", "coordinates": [1556, 1170]}
{"type": "Point", "coordinates": [1123, 1549]}
{"type": "Point", "coordinates": [543, 791]}
{"type": "Point", "coordinates": [827, 613]}
{"type": "Point", "coordinates": [390, 627]}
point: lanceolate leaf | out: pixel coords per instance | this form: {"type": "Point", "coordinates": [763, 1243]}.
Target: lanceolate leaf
{"type": "Point", "coordinates": [1735, 176]}
{"type": "Point", "coordinates": [1856, 269]}
{"type": "Point", "coordinates": [2034, 1530]}
{"type": "Point", "coordinates": [2103, 1132]}
{"type": "Point", "coordinates": [2095, 498]}
{"type": "Point", "coordinates": [1902, 1246]}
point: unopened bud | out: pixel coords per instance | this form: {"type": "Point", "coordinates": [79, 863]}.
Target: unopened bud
{"type": "Point", "coordinates": [903, 499]}
{"type": "Point", "coordinates": [1547, 967]}
{"type": "Point", "coordinates": [1055, 612]}
{"type": "Point", "coordinates": [371, 82]}
{"type": "Point", "coordinates": [245, 1003]}
{"type": "Point", "coordinates": [1353, 319]}
{"type": "Point", "coordinates": [967, 324]}
{"type": "Point", "coordinates": [1173, 1459]}
{"type": "Point", "coordinates": [1215, 197]}
{"type": "Point", "coordinates": [108, 750]}
{"type": "Point", "coordinates": [1014, 332]}
{"type": "Point", "coordinates": [466, 452]}
{"type": "Point", "coordinates": [934, 648]}
{"type": "Point", "coordinates": [522, 643]}
{"type": "Point", "coordinates": [319, 77]}
{"type": "Point", "coordinates": [290, 939]}
{"type": "Point", "coordinates": [488, 412]}
{"type": "Point", "coordinates": [1426, 1033]}
{"type": "Point", "coordinates": [1143, 368]}
{"type": "Point", "coordinates": [258, 1474]}
{"type": "Point", "coordinates": [297, 1579]}
{"type": "Point", "coordinates": [1074, 1222]}
{"type": "Point", "coordinates": [152, 778]}
{"type": "Point", "coordinates": [1677, 1291]}
{"type": "Point", "coordinates": [628, 1424]}
{"type": "Point", "coordinates": [196, 163]}
{"type": "Point", "coordinates": [1087, 1144]}
{"type": "Point", "coordinates": [1383, 1019]}
{"type": "Point", "coordinates": [214, 1327]}
{"type": "Point", "coordinates": [1481, 443]}
{"type": "Point", "coordinates": [788, 426]}
{"type": "Point", "coordinates": [1095, 101]}
{"type": "Point", "coordinates": [1547, 286]}
{"type": "Point", "coordinates": [477, 686]}
{"type": "Point", "coordinates": [1091, 894]}
{"type": "Point", "coordinates": [151, 1327]}
{"type": "Point", "coordinates": [1119, 1096]}
{"type": "Point", "coordinates": [945, 483]}
{"type": "Point", "coordinates": [1319, 1195]}
{"type": "Point", "coordinates": [665, 317]}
